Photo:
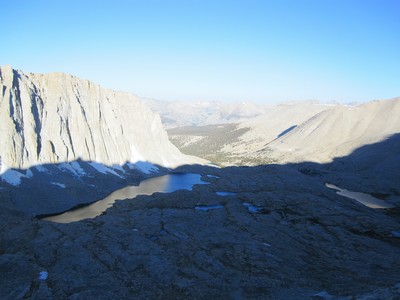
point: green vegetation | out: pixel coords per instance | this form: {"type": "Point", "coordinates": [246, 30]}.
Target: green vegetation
{"type": "Point", "coordinates": [208, 141]}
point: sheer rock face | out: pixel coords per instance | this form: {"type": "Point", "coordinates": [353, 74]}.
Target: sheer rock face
{"type": "Point", "coordinates": [52, 118]}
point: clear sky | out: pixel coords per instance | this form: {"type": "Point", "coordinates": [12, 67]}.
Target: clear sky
{"type": "Point", "coordinates": [260, 51]}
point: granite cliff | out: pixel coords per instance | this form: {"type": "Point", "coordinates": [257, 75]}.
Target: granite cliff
{"type": "Point", "coordinates": [54, 118]}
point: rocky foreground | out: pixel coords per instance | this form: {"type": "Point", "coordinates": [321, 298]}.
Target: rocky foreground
{"type": "Point", "coordinates": [283, 235]}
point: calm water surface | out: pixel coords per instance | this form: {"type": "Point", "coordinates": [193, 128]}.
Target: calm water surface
{"type": "Point", "coordinates": [162, 184]}
{"type": "Point", "coordinates": [363, 198]}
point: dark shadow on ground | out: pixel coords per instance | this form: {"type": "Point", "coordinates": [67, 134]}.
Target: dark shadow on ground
{"type": "Point", "coordinates": [54, 188]}
{"type": "Point", "coordinates": [372, 168]}
{"type": "Point", "coordinates": [281, 234]}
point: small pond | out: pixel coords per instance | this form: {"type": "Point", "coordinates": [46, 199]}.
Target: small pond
{"type": "Point", "coordinates": [225, 193]}
{"type": "Point", "coordinates": [363, 198]}
{"type": "Point", "coordinates": [161, 184]}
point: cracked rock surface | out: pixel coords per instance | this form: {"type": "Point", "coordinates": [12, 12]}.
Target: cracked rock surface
{"type": "Point", "coordinates": [56, 117]}
{"type": "Point", "coordinates": [303, 241]}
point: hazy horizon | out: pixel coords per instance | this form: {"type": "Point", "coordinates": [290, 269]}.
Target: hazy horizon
{"type": "Point", "coordinates": [229, 51]}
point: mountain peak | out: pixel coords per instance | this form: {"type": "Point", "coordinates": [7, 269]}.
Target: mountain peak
{"type": "Point", "coordinates": [57, 117]}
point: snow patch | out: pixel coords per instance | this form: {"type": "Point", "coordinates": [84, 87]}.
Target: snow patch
{"type": "Point", "coordinates": [143, 166]}
{"type": "Point", "coordinates": [323, 295]}
{"type": "Point", "coordinates": [225, 193]}
{"type": "Point", "coordinates": [146, 167]}
{"type": "Point", "coordinates": [213, 176]}
{"type": "Point", "coordinates": [73, 168]}
{"type": "Point", "coordinates": [61, 185]}
{"type": "Point", "coordinates": [119, 168]}
{"type": "Point", "coordinates": [41, 169]}
{"type": "Point", "coordinates": [138, 162]}
{"type": "Point", "coordinates": [103, 169]}
{"type": "Point", "coordinates": [77, 167]}
{"type": "Point", "coordinates": [131, 166]}
{"type": "Point", "coordinates": [12, 177]}
{"type": "Point", "coordinates": [66, 167]}
{"type": "Point", "coordinates": [208, 207]}
{"type": "Point", "coordinates": [29, 173]}
{"type": "Point", "coordinates": [43, 275]}
{"type": "Point", "coordinates": [252, 208]}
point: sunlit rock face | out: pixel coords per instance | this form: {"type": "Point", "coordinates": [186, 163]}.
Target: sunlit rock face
{"type": "Point", "coordinates": [52, 118]}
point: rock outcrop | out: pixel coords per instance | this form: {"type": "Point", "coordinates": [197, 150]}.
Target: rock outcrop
{"type": "Point", "coordinates": [54, 118]}
{"type": "Point", "coordinates": [280, 234]}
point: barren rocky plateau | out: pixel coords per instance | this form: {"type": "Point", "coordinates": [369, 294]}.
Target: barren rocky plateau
{"type": "Point", "coordinates": [281, 235]}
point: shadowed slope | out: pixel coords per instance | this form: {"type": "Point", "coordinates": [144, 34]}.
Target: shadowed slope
{"type": "Point", "coordinates": [278, 233]}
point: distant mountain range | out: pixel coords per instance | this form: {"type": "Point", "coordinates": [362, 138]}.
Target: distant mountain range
{"type": "Point", "coordinates": [293, 133]}
{"type": "Point", "coordinates": [177, 114]}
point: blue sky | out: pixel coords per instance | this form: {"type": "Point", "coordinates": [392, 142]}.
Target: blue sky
{"type": "Point", "coordinates": [260, 51]}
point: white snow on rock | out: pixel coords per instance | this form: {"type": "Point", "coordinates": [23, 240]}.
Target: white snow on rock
{"type": "Point", "coordinates": [61, 185]}
{"type": "Point", "coordinates": [65, 167]}
{"type": "Point", "coordinates": [144, 167]}
{"type": "Point", "coordinates": [252, 208]}
{"type": "Point", "coordinates": [103, 169]}
{"type": "Point", "coordinates": [41, 169]}
{"type": "Point", "coordinates": [225, 193]}
{"type": "Point", "coordinates": [12, 177]}
{"type": "Point", "coordinates": [118, 168]}
{"type": "Point", "coordinates": [28, 173]}
{"type": "Point", "coordinates": [77, 167]}
{"type": "Point", "coordinates": [208, 207]}
{"type": "Point", "coordinates": [43, 275]}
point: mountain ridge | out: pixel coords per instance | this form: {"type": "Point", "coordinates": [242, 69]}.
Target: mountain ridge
{"type": "Point", "coordinates": [57, 117]}
{"type": "Point", "coordinates": [177, 113]}
{"type": "Point", "coordinates": [338, 131]}
{"type": "Point", "coordinates": [294, 133]}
